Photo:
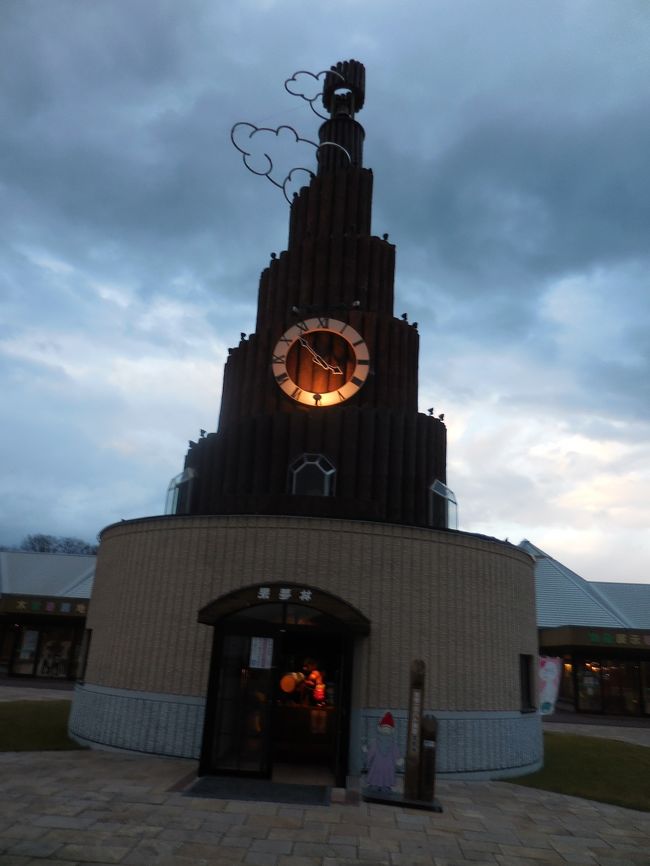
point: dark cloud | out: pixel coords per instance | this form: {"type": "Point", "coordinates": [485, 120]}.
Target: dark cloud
{"type": "Point", "coordinates": [515, 200]}
{"type": "Point", "coordinates": [509, 143]}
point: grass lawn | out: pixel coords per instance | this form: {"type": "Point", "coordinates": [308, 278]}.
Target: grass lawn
{"type": "Point", "coordinates": [605, 770]}
{"type": "Point", "coordinates": [34, 726]}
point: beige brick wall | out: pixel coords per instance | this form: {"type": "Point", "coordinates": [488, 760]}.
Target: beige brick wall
{"type": "Point", "coordinates": [463, 603]}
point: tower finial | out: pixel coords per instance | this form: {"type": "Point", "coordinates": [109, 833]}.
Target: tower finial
{"type": "Point", "coordinates": [344, 93]}
{"type": "Point", "coordinates": [345, 88]}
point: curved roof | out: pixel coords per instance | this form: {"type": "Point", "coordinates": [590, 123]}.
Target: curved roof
{"type": "Point", "coordinates": [25, 572]}
{"type": "Point", "coordinates": [565, 598]}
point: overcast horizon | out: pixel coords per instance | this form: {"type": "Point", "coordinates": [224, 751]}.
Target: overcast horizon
{"type": "Point", "coordinates": [509, 144]}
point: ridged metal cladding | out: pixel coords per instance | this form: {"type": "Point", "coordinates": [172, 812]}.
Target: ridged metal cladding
{"type": "Point", "coordinates": [347, 136]}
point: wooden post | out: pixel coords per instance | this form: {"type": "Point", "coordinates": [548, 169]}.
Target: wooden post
{"type": "Point", "coordinates": [429, 730]}
{"type": "Point", "coordinates": [413, 739]}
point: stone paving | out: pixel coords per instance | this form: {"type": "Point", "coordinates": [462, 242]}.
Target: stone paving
{"type": "Point", "coordinates": [82, 807]}
{"type": "Point", "coordinates": [107, 807]}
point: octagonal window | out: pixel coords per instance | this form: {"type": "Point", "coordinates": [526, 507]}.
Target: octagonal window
{"type": "Point", "coordinates": [312, 475]}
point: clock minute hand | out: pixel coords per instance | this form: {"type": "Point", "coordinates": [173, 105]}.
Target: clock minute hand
{"type": "Point", "coordinates": [318, 360]}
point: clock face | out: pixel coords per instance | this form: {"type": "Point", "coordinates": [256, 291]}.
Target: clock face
{"type": "Point", "coordinates": [320, 362]}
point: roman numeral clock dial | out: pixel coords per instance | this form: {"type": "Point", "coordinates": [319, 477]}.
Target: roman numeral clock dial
{"type": "Point", "coordinates": [320, 362]}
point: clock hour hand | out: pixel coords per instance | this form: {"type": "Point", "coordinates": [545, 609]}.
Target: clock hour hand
{"type": "Point", "coordinates": [318, 360]}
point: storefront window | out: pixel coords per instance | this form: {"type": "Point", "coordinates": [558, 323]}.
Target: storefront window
{"type": "Point", "coordinates": [620, 685]}
{"type": "Point", "coordinates": [589, 692]}
{"type": "Point", "coordinates": [567, 692]}
{"type": "Point", "coordinates": [25, 656]}
{"type": "Point", "coordinates": [80, 656]}
{"type": "Point", "coordinates": [645, 686]}
{"type": "Point", "coordinates": [6, 648]}
{"type": "Point", "coordinates": [40, 652]}
{"type": "Point", "coordinates": [54, 653]}
{"type": "Point", "coordinates": [526, 683]}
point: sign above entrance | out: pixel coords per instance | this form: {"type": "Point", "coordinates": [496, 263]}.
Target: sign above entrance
{"type": "Point", "coordinates": [285, 593]}
{"type": "Point", "coordinates": [37, 604]}
{"type": "Point", "coordinates": [583, 636]}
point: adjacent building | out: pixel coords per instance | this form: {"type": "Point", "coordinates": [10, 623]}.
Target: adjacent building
{"type": "Point", "coordinates": [43, 607]}
{"type": "Point", "coordinates": [601, 630]}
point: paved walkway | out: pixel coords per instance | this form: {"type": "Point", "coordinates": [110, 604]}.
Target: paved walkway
{"type": "Point", "coordinates": [108, 807]}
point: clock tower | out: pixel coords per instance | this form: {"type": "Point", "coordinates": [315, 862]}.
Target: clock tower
{"type": "Point", "coordinates": [319, 413]}
{"type": "Point", "coordinates": [266, 624]}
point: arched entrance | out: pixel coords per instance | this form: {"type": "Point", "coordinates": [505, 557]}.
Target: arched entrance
{"type": "Point", "coordinates": [278, 703]}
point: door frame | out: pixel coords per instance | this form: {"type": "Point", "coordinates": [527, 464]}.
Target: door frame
{"type": "Point", "coordinates": [345, 621]}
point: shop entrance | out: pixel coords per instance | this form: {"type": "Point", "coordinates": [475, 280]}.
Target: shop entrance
{"type": "Point", "coordinates": [278, 703]}
{"type": "Point", "coordinates": [40, 648]}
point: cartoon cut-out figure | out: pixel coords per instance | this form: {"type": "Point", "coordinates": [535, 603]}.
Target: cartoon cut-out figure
{"type": "Point", "coordinates": [383, 755]}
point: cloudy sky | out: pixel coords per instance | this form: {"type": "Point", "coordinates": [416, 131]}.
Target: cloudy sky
{"type": "Point", "coordinates": [509, 141]}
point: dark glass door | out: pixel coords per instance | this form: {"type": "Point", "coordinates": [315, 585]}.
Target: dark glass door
{"type": "Point", "coordinates": [241, 733]}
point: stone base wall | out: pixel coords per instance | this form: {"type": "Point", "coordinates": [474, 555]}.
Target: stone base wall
{"type": "Point", "coordinates": [469, 745]}
{"type": "Point", "coordinates": [479, 745]}
{"type": "Point", "coordinates": [139, 721]}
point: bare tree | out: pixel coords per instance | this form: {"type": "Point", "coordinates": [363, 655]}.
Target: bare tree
{"type": "Point", "coordinates": [41, 543]}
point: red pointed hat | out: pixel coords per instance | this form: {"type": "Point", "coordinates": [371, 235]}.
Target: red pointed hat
{"type": "Point", "coordinates": [387, 720]}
